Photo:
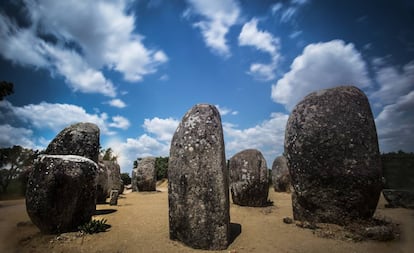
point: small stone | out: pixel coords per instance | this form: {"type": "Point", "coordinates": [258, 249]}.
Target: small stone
{"type": "Point", "coordinates": [113, 198]}
{"type": "Point", "coordinates": [288, 220]}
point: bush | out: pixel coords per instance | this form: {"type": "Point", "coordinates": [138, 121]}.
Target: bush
{"type": "Point", "coordinates": [94, 226]}
{"type": "Point", "coordinates": [126, 178]}
{"type": "Point", "coordinates": [161, 166]}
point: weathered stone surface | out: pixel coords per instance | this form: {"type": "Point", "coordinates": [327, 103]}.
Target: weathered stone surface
{"type": "Point", "coordinates": [78, 139]}
{"type": "Point", "coordinates": [198, 189]}
{"type": "Point", "coordinates": [399, 198]}
{"type": "Point", "coordinates": [109, 178]}
{"type": "Point", "coordinates": [61, 192]}
{"type": "Point", "coordinates": [280, 175]}
{"type": "Point", "coordinates": [331, 148]}
{"type": "Point", "coordinates": [249, 183]}
{"type": "Point", "coordinates": [145, 176]}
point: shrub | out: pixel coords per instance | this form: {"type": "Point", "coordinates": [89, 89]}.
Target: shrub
{"type": "Point", "coordinates": [94, 226]}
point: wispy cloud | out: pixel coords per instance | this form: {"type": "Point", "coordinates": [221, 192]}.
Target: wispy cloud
{"type": "Point", "coordinates": [217, 18]}
{"type": "Point", "coordinates": [226, 111]}
{"type": "Point", "coordinates": [117, 103]}
{"type": "Point", "coordinates": [287, 11]}
{"type": "Point", "coordinates": [265, 42]}
{"type": "Point", "coordinates": [320, 66]}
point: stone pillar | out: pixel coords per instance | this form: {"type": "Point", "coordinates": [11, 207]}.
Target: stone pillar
{"type": "Point", "coordinates": [332, 152]}
{"type": "Point", "coordinates": [198, 189]}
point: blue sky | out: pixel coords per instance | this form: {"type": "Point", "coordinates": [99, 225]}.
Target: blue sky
{"type": "Point", "coordinates": [135, 67]}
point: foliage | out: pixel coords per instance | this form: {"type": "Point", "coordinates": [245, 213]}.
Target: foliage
{"type": "Point", "coordinates": [108, 155]}
{"type": "Point", "coordinates": [14, 162]}
{"type": "Point", "coordinates": [161, 166]}
{"type": "Point", "coordinates": [126, 178]}
{"type": "Point", "coordinates": [6, 89]}
{"type": "Point", "coordinates": [94, 226]}
{"type": "Point", "coordinates": [398, 170]}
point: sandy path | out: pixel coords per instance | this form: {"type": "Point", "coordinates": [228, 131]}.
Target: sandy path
{"type": "Point", "coordinates": [140, 224]}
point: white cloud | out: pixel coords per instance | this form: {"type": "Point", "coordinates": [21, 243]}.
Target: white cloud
{"type": "Point", "coordinates": [225, 111]}
{"type": "Point", "coordinates": [58, 116]}
{"type": "Point", "coordinates": [163, 129]}
{"type": "Point", "coordinates": [264, 42]}
{"type": "Point", "coordinates": [11, 136]}
{"type": "Point", "coordinates": [101, 34]}
{"type": "Point", "coordinates": [219, 16]}
{"type": "Point", "coordinates": [287, 12]}
{"type": "Point", "coordinates": [268, 137]}
{"type": "Point", "coordinates": [393, 83]}
{"type": "Point", "coordinates": [117, 103]}
{"type": "Point", "coordinates": [395, 125]}
{"type": "Point", "coordinates": [120, 122]}
{"type": "Point", "coordinates": [320, 66]}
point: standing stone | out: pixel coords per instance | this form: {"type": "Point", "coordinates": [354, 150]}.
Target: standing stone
{"type": "Point", "coordinates": [113, 198]}
{"type": "Point", "coordinates": [134, 179]}
{"type": "Point", "coordinates": [198, 189]}
{"type": "Point", "coordinates": [109, 178]}
{"type": "Point", "coordinates": [280, 175]}
{"type": "Point", "coordinates": [146, 175]}
{"type": "Point", "coordinates": [332, 152]}
{"type": "Point", "coordinates": [249, 183]}
{"type": "Point", "coordinates": [78, 139]}
{"type": "Point", "coordinates": [60, 193]}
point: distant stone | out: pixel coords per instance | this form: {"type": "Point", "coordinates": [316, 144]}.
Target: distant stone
{"type": "Point", "coordinates": [399, 198]}
{"type": "Point", "coordinates": [60, 193]}
{"type": "Point", "coordinates": [113, 198]}
{"type": "Point", "coordinates": [249, 182]}
{"type": "Point", "coordinates": [109, 178]}
{"type": "Point", "coordinates": [280, 175]}
{"type": "Point", "coordinates": [80, 139]}
{"type": "Point", "coordinates": [287, 220]}
{"type": "Point", "coordinates": [145, 178]}
{"type": "Point", "coordinates": [332, 152]}
{"type": "Point", "coordinates": [198, 189]}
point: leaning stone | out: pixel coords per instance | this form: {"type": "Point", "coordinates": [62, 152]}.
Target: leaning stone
{"type": "Point", "coordinates": [61, 192]}
{"type": "Point", "coordinates": [280, 175]}
{"type": "Point", "coordinates": [332, 152]}
{"type": "Point", "coordinates": [249, 182]}
{"type": "Point", "coordinates": [78, 139]}
{"type": "Point", "coordinates": [198, 189]}
{"type": "Point", "coordinates": [146, 175]}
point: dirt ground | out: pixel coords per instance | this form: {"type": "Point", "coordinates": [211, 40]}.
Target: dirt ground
{"type": "Point", "coordinates": [139, 223]}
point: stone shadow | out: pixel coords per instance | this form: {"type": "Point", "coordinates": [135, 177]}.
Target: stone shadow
{"type": "Point", "coordinates": [105, 211]}
{"type": "Point", "coordinates": [235, 231]}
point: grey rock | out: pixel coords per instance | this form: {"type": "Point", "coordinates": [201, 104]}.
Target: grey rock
{"type": "Point", "coordinates": [332, 152]}
{"type": "Point", "coordinates": [198, 189]}
{"type": "Point", "coordinates": [399, 198]}
{"type": "Point", "coordinates": [280, 175]}
{"type": "Point", "coordinates": [145, 178]}
{"type": "Point", "coordinates": [109, 178]}
{"type": "Point", "coordinates": [249, 182]}
{"type": "Point", "coordinates": [113, 198]}
{"type": "Point", "coordinates": [61, 193]}
{"type": "Point", "coordinates": [78, 139]}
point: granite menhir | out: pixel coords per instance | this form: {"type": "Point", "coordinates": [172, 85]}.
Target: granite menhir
{"type": "Point", "coordinates": [61, 190]}
{"type": "Point", "coordinates": [249, 183]}
{"type": "Point", "coordinates": [280, 175]}
{"type": "Point", "coordinates": [332, 152]}
{"type": "Point", "coordinates": [145, 175]}
{"type": "Point", "coordinates": [198, 188]}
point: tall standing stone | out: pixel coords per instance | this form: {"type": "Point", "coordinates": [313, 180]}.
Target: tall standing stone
{"type": "Point", "coordinates": [333, 157]}
{"type": "Point", "coordinates": [61, 190]}
{"type": "Point", "coordinates": [280, 175]}
{"type": "Point", "coordinates": [198, 189]}
{"type": "Point", "coordinates": [145, 178]}
{"type": "Point", "coordinates": [249, 183]}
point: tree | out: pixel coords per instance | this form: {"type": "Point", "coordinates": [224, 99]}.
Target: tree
{"type": "Point", "coordinates": [13, 161]}
{"type": "Point", "coordinates": [126, 178]}
{"type": "Point", "coordinates": [6, 89]}
{"type": "Point", "coordinates": [161, 166]}
{"type": "Point", "coordinates": [108, 155]}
